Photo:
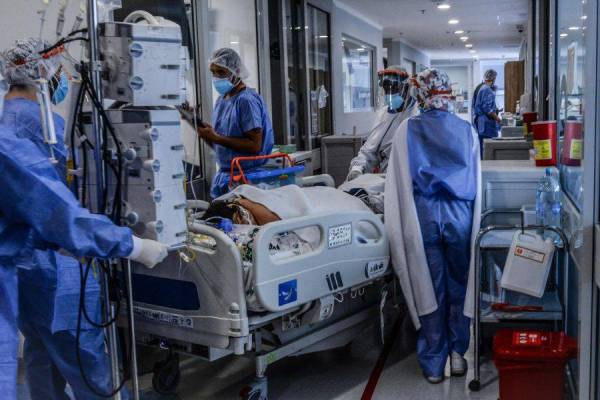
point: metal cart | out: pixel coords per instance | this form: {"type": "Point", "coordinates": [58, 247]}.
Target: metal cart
{"type": "Point", "coordinates": [556, 313]}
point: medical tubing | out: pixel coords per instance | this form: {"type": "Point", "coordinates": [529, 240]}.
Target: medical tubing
{"type": "Point", "coordinates": [83, 278]}
{"type": "Point", "coordinates": [141, 14]}
{"type": "Point", "coordinates": [95, 390]}
{"type": "Point", "coordinates": [72, 136]}
{"type": "Point", "coordinates": [116, 212]}
{"type": "Point", "coordinates": [60, 43]}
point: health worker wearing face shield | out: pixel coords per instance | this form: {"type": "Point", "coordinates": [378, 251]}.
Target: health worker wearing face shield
{"type": "Point", "coordinates": [240, 121]}
{"type": "Point", "coordinates": [398, 106]}
{"type": "Point", "coordinates": [38, 215]}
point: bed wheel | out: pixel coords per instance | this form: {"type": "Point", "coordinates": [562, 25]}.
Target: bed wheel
{"type": "Point", "coordinates": [257, 390]}
{"type": "Point", "coordinates": [344, 351]}
{"type": "Point", "coordinates": [167, 375]}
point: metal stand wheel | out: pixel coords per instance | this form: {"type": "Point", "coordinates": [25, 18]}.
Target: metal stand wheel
{"type": "Point", "coordinates": [475, 385]}
{"type": "Point", "coordinates": [257, 390]}
{"type": "Point", "coordinates": [167, 375]}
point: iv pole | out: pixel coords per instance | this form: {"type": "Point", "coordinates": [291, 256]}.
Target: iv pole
{"type": "Point", "coordinates": [97, 127]}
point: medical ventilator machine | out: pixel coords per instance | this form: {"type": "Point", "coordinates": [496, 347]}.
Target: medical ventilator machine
{"type": "Point", "coordinates": [287, 288]}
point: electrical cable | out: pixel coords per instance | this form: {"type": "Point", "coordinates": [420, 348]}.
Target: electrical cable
{"type": "Point", "coordinates": [115, 214]}
{"type": "Point", "coordinates": [83, 279]}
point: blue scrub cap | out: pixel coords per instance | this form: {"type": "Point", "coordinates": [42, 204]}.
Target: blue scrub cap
{"type": "Point", "coordinates": [230, 60]}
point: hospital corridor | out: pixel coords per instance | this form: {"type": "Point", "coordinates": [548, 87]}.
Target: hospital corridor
{"type": "Point", "coordinates": [299, 200]}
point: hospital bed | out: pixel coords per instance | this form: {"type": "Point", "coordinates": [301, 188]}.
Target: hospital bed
{"type": "Point", "coordinates": [272, 291]}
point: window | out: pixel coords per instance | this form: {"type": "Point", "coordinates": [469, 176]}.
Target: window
{"type": "Point", "coordinates": [358, 76]}
{"type": "Point", "coordinates": [319, 73]}
{"type": "Point", "coordinates": [233, 24]}
{"type": "Point", "coordinates": [569, 90]}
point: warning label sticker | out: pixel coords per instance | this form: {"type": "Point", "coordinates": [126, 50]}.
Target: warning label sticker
{"type": "Point", "coordinates": [543, 149]}
{"type": "Point", "coordinates": [527, 338]}
{"type": "Point", "coordinates": [576, 151]}
{"type": "Point", "coordinates": [529, 254]}
{"type": "Point", "coordinates": [166, 318]}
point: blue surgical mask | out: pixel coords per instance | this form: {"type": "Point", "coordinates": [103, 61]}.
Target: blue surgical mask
{"type": "Point", "coordinates": [222, 85]}
{"type": "Point", "coordinates": [394, 101]}
{"type": "Point", "coordinates": [60, 91]}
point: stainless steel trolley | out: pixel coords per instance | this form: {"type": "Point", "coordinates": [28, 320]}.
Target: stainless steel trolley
{"type": "Point", "coordinates": [475, 384]}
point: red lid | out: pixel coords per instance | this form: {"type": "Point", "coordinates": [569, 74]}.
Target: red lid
{"type": "Point", "coordinates": [540, 346]}
{"type": "Point", "coordinates": [530, 116]}
{"type": "Point", "coordinates": [543, 123]}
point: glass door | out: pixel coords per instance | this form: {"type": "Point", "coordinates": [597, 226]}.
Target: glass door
{"type": "Point", "coordinates": [304, 51]}
{"type": "Point", "coordinates": [319, 74]}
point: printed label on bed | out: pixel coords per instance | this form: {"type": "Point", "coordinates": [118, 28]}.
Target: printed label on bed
{"type": "Point", "coordinates": [166, 318]}
{"type": "Point", "coordinates": [288, 292]}
{"type": "Point", "coordinates": [529, 254]}
{"type": "Point", "coordinates": [375, 268]}
{"type": "Point", "coordinates": [340, 235]}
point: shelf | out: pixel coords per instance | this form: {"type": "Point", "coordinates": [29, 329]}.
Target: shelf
{"type": "Point", "coordinates": [552, 309]}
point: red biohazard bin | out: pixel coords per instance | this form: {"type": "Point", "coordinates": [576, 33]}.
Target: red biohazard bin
{"type": "Point", "coordinates": [544, 143]}
{"type": "Point", "coordinates": [531, 364]}
{"type": "Point", "coordinates": [572, 149]}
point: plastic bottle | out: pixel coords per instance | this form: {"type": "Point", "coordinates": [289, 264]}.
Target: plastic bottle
{"type": "Point", "coordinates": [548, 205]}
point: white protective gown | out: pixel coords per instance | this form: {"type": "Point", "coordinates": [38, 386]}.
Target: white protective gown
{"type": "Point", "coordinates": [376, 150]}
{"type": "Point", "coordinates": [404, 232]}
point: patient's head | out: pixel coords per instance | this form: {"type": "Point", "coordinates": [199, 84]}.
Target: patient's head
{"type": "Point", "coordinates": [219, 208]}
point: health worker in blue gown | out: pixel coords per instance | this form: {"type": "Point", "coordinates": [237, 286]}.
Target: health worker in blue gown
{"type": "Point", "coordinates": [484, 111]}
{"type": "Point", "coordinates": [38, 217]}
{"type": "Point", "coordinates": [241, 125]}
{"type": "Point", "coordinates": [444, 164]}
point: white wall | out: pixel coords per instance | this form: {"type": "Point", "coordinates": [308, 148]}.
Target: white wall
{"type": "Point", "coordinates": [346, 22]}
{"type": "Point", "coordinates": [20, 20]}
{"type": "Point", "coordinates": [400, 52]}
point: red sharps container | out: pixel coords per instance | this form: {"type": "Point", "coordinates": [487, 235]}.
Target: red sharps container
{"type": "Point", "coordinates": [544, 143]}
{"type": "Point", "coordinates": [531, 364]}
{"type": "Point", "coordinates": [572, 148]}
{"type": "Point", "coordinates": [529, 118]}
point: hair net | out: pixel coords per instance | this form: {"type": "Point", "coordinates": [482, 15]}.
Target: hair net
{"type": "Point", "coordinates": [432, 87]}
{"type": "Point", "coordinates": [23, 64]}
{"type": "Point", "coordinates": [490, 75]}
{"type": "Point", "coordinates": [229, 59]}
{"type": "Point", "coordinates": [3, 89]}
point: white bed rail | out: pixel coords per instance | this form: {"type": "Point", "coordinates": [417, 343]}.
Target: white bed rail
{"type": "Point", "coordinates": [353, 249]}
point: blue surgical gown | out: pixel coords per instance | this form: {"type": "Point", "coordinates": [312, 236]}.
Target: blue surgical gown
{"type": "Point", "coordinates": [233, 117]}
{"type": "Point", "coordinates": [485, 103]}
{"type": "Point", "coordinates": [38, 210]}
{"type": "Point", "coordinates": [443, 167]}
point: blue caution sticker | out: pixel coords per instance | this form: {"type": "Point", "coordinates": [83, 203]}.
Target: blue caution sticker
{"type": "Point", "coordinates": [288, 292]}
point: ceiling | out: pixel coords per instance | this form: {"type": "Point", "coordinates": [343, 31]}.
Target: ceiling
{"type": "Point", "coordinates": [491, 25]}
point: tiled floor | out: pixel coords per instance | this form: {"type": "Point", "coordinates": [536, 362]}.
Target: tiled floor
{"type": "Point", "coordinates": [326, 375]}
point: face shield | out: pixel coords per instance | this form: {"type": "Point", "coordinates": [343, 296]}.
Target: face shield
{"type": "Point", "coordinates": [393, 89]}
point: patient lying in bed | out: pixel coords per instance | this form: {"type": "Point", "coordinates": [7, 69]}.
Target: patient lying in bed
{"type": "Point", "coordinates": [250, 205]}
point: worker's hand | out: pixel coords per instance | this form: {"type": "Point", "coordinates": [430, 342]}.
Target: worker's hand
{"type": "Point", "coordinates": [187, 112]}
{"type": "Point", "coordinates": [208, 133]}
{"type": "Point", "coordinates": [148, 252]}
{"type": "Point", "coordinates": [355, 172]}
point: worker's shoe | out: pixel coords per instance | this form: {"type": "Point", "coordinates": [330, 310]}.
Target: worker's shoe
{"type": "Point", "coordinates": [434, 379]}
{"type": "Point", "coordinates": [458, 364]}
